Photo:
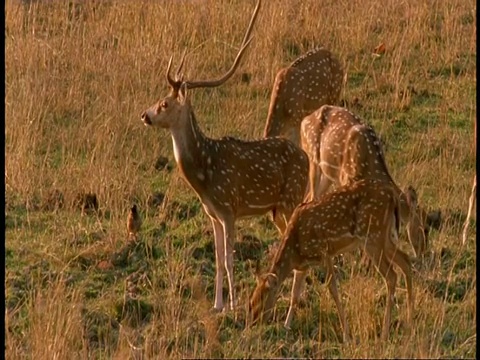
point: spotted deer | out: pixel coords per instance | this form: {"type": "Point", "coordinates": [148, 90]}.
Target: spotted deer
{"type": "Point", "coordinates": [362, 214]}
{"type": "Point", "coordinates": [312, 80]}
{"type": "Point", "coordinates": [342, 149]}
{"type": "Point", "coordinates": [233, 178]}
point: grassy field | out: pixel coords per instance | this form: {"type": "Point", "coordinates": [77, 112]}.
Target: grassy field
{"type": "Point", "coordinates": [78, 76]}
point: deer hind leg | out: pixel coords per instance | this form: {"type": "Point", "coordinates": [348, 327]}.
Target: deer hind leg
{"type": "Point", "coordinates": [294, 135]}
{"type": "Point", "coordinates": [332, 287]}
{"type": "Point", "coordinates": [297, 287]}
{"type": "Point", "coordinates": [229, 240]}
{"type": "Point", "coordinates": [219, 263]}
{"type": "Point", "coordinates": [314, 176]}
{"type": "Point", "coordinates": [322, 186]}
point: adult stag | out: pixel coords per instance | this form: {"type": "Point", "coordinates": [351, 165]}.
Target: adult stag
{"type": "Point", "coordinates": [233, 178]}
{"type": "Point", "coordinates": [362, 215]}
{"type": "Point", "coordinates": [342, 149]}
{"type": "Point", "coordinates": [312, 80]}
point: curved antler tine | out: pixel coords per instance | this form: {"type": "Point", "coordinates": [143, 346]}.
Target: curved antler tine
{"type": "Point", "coordinates": [179, 69]}
{"type": "Point", "coordinates": [246, 41]}
{"type": "Point", "coordinates": [250, 25]}
{"type": "Point", "coordinates": [228, 74]}
{"type": "Point", "coordinates": [169, 78]}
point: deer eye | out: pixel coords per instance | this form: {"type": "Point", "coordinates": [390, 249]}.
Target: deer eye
{"type": "Point", "coordinates": [162, 106]}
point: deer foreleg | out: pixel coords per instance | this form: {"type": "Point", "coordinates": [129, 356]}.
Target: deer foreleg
{"type": "Point", "coordinates": [390, 277]}
{"type": "Point", "coordinates": [332, 287]}
{"type": "Point", "coordinates": [297, 287]}
{"type": "Point", "coordinates": [219, 263]}
{"type": "Point", "coordinates": [229, 240]}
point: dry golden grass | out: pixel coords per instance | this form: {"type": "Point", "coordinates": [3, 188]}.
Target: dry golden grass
{"type": "Point", "coordinates": [78, 77]}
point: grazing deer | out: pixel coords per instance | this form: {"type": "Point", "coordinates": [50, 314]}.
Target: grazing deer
{"type": "Point", "coordinates": [342, 149]}
{"type": "Point", "coordinates": [364, 215]}
{"type": "Point", "coordinates": [233, 178]}
{"type": "Point", "coordinates": [312, 80]}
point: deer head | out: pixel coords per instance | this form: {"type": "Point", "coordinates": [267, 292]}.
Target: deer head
{"type": "Point", "coordinates": [417, 228]}
{"type": "Point", "coordinates": [263, 297]}
{"type": "Point", "coordinates": [167, 112]}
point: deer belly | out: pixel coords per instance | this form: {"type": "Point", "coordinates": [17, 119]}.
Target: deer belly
{"type": "Point", "coordinates": [342, 244]}
{"type": "Point", "coordinates": [251, 208]}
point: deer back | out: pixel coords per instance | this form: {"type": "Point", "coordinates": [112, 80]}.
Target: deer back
{"type": "Point", "coordinates": [312, 80]}
{"type": "Point", "coordinates": [254, 176]}
{"type": "Point", "coordinates": [346, 149]}
{"type": "Point", "coordinates": [344, 218]}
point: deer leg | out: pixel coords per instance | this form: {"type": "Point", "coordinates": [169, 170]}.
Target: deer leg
{"type": "Point", "coordinates": [219, 263]}
{"type": "Point", "coordinates": [322, 187]}
{"type": "Point", "coordinates": [332, 287]}
{"type": "Point", "coordinates": [390, 277]}
{"type": "Point", "coordinates": [402, 260]}
{"type": "Point", "coordinates": [391, 280]}
{"type": "Point", "coordinates": [282, 215]}
{"type": "Point", "coordinates": [314, 174]}
{"type": "Point", "coordinates": [280, 220]}
{"type": "Point", "coordinates": [294, 136]}
{"type": "Point", "coordinates": [297, 287]}
{"type": "Point", "coordinates": [229, 240]}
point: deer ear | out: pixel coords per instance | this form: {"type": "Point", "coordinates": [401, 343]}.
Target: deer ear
{"type": "Point", "coordinates": [271, 281]}
{"type": "Point", "coordinates": [411, 196]}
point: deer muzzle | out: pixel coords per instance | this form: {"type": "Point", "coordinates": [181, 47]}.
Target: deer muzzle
{"type": "Point", "coordinates": [146, 119]}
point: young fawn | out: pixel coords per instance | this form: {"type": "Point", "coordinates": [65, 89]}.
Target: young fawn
{"type": "Point", "coordinates": [364, 214]}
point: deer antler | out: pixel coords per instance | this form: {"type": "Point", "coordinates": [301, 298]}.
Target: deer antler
{"type": "Point", "coordinates": [175, 84]}
{"type": "Point", "coordinates": [246, 41]}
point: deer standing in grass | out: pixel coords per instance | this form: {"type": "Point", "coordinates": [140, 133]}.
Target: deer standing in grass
{"type": "Point", "coordinates": [342, 149]}
{"type": "Point", "coordinates": [364, 215]}
{"type": "Point", "coordinates": [233, 178]}
{"type": "Point", "coordinates": [312, 80]}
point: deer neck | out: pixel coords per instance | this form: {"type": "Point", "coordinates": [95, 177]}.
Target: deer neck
{"type": "Point", "coordinates": [283, 264]}
{"type": "Point", "coordinates": [190, 148]}
{"type": "Point", "coordinates": [274, 123]}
